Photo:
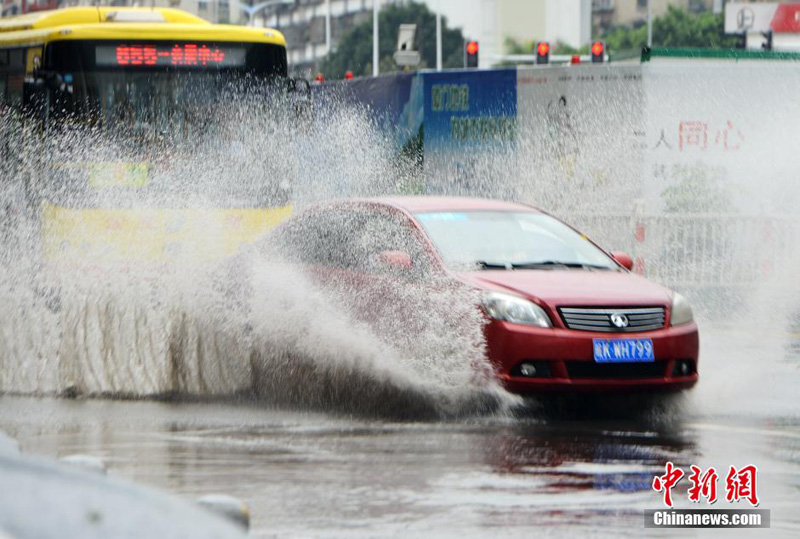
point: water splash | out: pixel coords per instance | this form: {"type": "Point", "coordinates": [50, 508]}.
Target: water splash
{"type": "Point", "coordinates": [150, 323]}
{"type": "Point", "coordinates": [142, 329]}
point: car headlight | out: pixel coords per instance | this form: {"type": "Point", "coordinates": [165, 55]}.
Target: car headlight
{"type": "Point", "coordinates": [681, 311]}
{"type": "Point", "coordinates": [515, 309]}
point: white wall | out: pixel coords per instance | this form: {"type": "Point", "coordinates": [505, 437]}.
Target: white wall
{"type": "Point", "coordinates": [476, 18]}
{"type": "Point", "coordinates": [569, 21]}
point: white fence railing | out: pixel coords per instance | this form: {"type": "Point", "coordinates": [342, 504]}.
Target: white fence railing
{"type": "Point", "coordinates": [702, 250]}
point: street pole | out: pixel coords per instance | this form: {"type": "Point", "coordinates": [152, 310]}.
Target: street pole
{"type": "Point", "coordinates": [649, 24]}
{"type": "Point", "coordinates": [327, 26]}
{"type": "Point", "coordinates": [375, 38]}
{"type": "Point", "coordinates": [438, 38]}
{"type": "Point", "coordinates": [253, 9]}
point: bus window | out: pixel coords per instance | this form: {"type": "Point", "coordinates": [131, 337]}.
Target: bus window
{"type": "Point", "coordinates": [16, 76]}
{"type": "Point", "coordinates": [155, 88]}
{"type": "Point", "coordinates": [3, 76]}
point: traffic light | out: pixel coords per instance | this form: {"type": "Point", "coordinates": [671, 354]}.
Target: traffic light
{"type": "Point", "coordinates": [767, 44]}
{"type": "Point", "coordinates": [598, 52]}
{"type": "Point", "coordinates": [542, 52]}
{"type": "Point", "coordinates": [471, 54]}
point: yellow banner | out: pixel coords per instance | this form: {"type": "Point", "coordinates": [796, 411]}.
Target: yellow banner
{"type": "Point", "coordinates": [117, 175]}
{"type": "Point", "coordinates": [152, 235]}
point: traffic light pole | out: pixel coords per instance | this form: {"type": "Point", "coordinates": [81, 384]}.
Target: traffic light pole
{"type": "Point", "coordinates": [375, 59]}
{"type": "Point", "coordinates": [438, 39]}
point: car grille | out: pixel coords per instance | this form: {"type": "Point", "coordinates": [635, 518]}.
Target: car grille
{"type": "Point", "coordinates": [586, 369]}
{"type": "Point", "coordinates": [588, 319]}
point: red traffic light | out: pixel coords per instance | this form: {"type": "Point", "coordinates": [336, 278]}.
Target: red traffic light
{"type": "Point", "coordinates": [320, 77]}
{"type": "Point", "coordinates": [543, 48]}
{"type": "Point", "coordinates": [348, 75]}
{"type": "Point", "coordinates": [598, 51]}
{"type": "Point", "coordinates": [471, 54]}
{"type": "Point", "coordinates": [542, 52]}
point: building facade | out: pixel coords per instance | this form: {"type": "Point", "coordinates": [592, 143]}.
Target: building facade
{"type": "Point", "coordinates": [491, 22]}
{"type": "Point", "coordinates": [218, 11]}
{"type": "Point", "coordinates": [607, 14]}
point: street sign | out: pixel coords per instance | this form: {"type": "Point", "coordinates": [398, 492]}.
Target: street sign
{"type": "Point", "coordinates": [745, 17]}
{"type": "Point", "coordinates": [405, 55]}
{"type": "Point", "coordinates": [407, 58]}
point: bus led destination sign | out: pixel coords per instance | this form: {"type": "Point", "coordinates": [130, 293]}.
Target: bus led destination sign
{"type": "Point", "coordinates": [169, 55]}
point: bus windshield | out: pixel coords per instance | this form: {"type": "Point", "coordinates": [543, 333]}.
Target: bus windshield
{"type": "Point", "coordinates": [151, 108]}
{"type": "Point", "coordinates": [155, 87]}
{"type": "Point", "coordinates": [172, 104]}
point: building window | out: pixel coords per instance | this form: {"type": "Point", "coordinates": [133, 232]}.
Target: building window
{"type": "Point", "coordinates": [697, 5]}
{"type": "Point", "coordinates": [602, 5]}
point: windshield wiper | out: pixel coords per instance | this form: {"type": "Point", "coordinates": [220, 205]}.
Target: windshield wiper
{"type": "Point", "coordinates": [494, 265]}
{"type": "Point", "coordinates": [553, 263]}
{"type": "Point", "coordinates": [534, 265]}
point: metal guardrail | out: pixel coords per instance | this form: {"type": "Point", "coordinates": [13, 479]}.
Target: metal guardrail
{"type": "Point", "coordinates": [702, 250]}
{"type": "Point", "coordinates": [715, 54]}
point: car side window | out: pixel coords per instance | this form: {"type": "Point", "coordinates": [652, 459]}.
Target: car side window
{"type": "Point", "coordinates": [298, 240]}
{"type": "Point", "coordinates": [352, 239]}
{"type": "Point", "coordinates": [319, 238]}
{"type": "Point", "coordinates": [380, 231]}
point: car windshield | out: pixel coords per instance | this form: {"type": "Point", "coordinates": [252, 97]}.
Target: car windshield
{"type": "Point", "coordinates": [472, 240]}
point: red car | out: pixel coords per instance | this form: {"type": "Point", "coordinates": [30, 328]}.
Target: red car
{"type": "Point", "coordinates": [563, 314]}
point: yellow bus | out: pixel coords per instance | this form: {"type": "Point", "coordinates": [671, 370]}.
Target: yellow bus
{"type": "Point", "coordinates": [138, 70]}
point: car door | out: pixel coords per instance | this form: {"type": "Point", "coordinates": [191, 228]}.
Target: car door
{"type": "Point", "coordinates": [392, 276]}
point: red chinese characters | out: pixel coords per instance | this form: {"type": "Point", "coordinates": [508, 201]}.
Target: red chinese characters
{"type": "Point", "coordinates": [703, 484]}
{"type": "Point", "coordinates": [742, 485]}
{"type": "Point", "coordinates": [729, 138]}
{"type": "Point", "coordinates": [693, 134]}
{"type": "Point", "coordinates": [137, 55]}
{"type": "Point", "coordinates": [192, 55]}
{"type": "Point", "coordinates": [739, 484]}
{"type": "Point", "coordinates": [189, 54]}
{"type": "Point", "coordinates": [208, 56]}
{"type": "Point", "coordinates": [667, 481]}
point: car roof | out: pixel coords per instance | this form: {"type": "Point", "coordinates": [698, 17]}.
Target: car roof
{"type": "Point", "coordinates": [417, 204]}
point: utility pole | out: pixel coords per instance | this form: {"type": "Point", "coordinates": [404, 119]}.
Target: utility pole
{"type": "Point", "coordinates": [327, 26]}
{"type": "Point", "coordinates": [375, 69]}
{"type": "Point", "coordinates": [252, 10]}
{"type": "Point", "coordinates": [438, 37]}
{"type": "Point", "coordinates": [649, 24]}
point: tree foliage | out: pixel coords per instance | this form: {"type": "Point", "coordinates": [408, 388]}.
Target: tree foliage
{"type": "Point", "coordinates": [354, 52]}
{"type": "Point", "coordinates": [676, 28]}
{"type": "Point", "coordinates": [513, 46]}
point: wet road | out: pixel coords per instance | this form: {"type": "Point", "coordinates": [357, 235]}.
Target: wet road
{"type": "Point", "coordinates": [312, 474]}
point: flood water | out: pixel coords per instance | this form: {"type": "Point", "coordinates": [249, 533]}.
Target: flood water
{"type": "Point", "coordinates": [522, 474]}
{"type": "Point", "coordinates": [333, 459]}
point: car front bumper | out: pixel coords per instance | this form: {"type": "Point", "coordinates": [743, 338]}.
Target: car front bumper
{"type": "Point", "coordinates": [567, 363]}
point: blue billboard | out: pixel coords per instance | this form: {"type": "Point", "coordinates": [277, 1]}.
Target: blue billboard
{"type": "Point", "coordinates": [469, 108]}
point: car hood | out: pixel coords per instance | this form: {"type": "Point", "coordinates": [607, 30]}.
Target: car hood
{"type": "Point", "coordinates": [573, 287]}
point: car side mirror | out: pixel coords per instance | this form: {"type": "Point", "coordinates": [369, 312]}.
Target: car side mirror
{"type": "Point", "coordinates": [623, 259]}
{"type": "Point", "coordinates": [396, 260]}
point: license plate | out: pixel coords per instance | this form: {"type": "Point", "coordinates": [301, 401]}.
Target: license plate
{"type": "Point", "coordinates": [623, 350]}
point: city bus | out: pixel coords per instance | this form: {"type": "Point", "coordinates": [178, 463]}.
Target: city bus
{"type": "Point", "coordinates": [152, 74]}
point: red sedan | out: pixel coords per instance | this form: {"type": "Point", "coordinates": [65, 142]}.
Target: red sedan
{"type": "Point", "coordinates": [562, 313]}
